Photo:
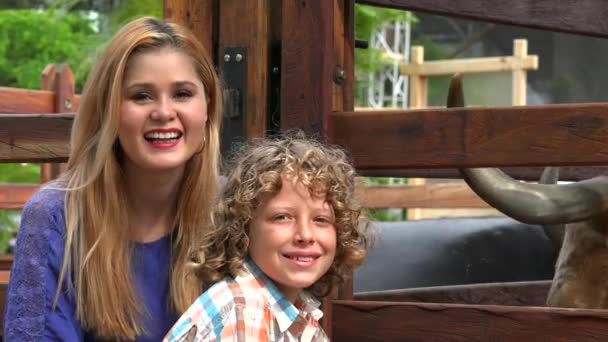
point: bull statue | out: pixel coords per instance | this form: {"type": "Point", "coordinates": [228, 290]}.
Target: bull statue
{"type": "Point", "coordinates": [576, 213]}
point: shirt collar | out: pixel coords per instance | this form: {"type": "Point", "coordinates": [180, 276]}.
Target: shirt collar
{"type": "Point", "coordinates": [282, 309]}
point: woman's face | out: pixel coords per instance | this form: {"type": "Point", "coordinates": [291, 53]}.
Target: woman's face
{"type": "Point", "coordinates": [163, 111]}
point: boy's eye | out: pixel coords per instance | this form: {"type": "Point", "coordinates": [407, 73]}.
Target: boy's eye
{"type": "Point", "coordinates": [323, 220]}
{"type": "Point", "coordinates": [280, 217]}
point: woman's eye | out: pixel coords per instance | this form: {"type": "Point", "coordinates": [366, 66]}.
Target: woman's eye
{"type": "Point", "coordinates": [183, 94]}
{"type": "Point", "coordinates": [140, 97]}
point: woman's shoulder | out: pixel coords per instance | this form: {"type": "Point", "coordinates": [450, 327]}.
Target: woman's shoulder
{"type": "Point", "coordinates": [50, 195]}
{"type": "Point", "coordinates": [45, 208]}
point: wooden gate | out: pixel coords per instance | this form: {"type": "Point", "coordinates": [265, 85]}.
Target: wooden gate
{"type": "Point", "coordinates": [307, 48]}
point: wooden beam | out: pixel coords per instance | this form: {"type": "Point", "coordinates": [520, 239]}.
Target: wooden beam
{"type": "Point", "coordinates": [528, 293]}
{"type": "Point", "coordinates": [307, 66]}
{"type": "Point", "coordinates": [398, 321]}
{"type": "Point", "coordinates": [15, 100]}
{"type": "Point", "coordinates": [14, 196]}
{"type": "Point", "coordinates": [586, 17]}
{"type": "Point", "coordinates": [471, 65]}
{"type": "Point", "coordinates": [255, 40]}
{"type": "Point", "coordinates": [573, 134]}
{"type": "Point", "coordinates": [200, 16]}
{"type": "Point", "coordinates": [419, 196]}
{"type": "Point", "coordinates": [34, 137]}
{"type": "Point", "coordinates": [567, 173]}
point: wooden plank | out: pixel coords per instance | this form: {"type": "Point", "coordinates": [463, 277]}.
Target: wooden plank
{"type": "Point", "coordinates": [35, 137]}
{"type": "Point", "coordinates": [567, 173]}
{"type": "Point", "coordinates": [6, 261]}
{"type": "Point", "coordinates": [522, 293]}
{"type": "Point", "coordinates": [419, 196]}
{"type": "Point", "coordinates": [200, 16]}
{"type": "Point", "coordinates": [573, 134]}
{"type": "Point", "coordinates": [394, 321]}
{"type": "Point", "coordinates": [62, 82]}
{"type": "Point", "coordinates": [586, 17]}
{"type": "Point", "coordinates": [519, 75]}
{"type": "Point", "coordinates": [306, 66]}
{"type": "Point", "coordinates": [470, 65]}
{"type": "Point", "coordinates": [14, 196]}
{"type": "Point", "coordinates": [15, 100]}
{"type": "Point", "coordinates": [255, 16]}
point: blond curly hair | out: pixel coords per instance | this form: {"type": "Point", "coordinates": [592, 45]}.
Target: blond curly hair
{"type": "Point", "coordinates": [256, 176]}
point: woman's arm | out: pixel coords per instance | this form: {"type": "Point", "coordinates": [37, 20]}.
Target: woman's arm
{"type": "Point", "coordinates": [29, 312]}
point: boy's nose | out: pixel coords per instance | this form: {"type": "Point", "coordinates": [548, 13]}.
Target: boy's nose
{"type": "Point", "coordinates": [304, 233]}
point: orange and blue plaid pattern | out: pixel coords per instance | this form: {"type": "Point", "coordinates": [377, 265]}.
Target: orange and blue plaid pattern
{"type": "Point", "coordinates": [249, 308]}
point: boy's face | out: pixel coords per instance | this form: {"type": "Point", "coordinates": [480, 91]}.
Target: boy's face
{"type": "Point", "coordinates": [292, 238]}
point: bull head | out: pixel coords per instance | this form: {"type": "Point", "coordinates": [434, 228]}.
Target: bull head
{"type": "Point", "coordinates": [580, 277]}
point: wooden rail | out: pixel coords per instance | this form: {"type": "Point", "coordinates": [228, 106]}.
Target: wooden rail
{"type": "Point", "coordinates": [401, 321]}
{"type": "Point", "coordinates": [419, 196]}
{"type": "Point", "coordinates": [586, 17]}
{"type": "Point", "coordinates": [476, 136]}
{"type": "Point", "coordinates": [14, 196]}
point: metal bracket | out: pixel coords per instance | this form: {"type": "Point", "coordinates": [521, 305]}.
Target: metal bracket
{"type": "Point", "coordinates": [234, 73]}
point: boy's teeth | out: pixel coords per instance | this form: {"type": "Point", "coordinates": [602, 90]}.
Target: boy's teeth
{"type": "Point", "coordinates": [302, 258]}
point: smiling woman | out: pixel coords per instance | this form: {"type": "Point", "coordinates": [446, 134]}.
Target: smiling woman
{"type": "Point", "coordinates": [101, 253]}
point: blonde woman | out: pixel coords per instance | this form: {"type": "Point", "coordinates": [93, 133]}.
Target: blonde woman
{"type": "Point", "coordinates": [101, 253]}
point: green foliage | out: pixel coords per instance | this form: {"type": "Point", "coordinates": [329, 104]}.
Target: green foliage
{"type": "Point", "coordinates": [14, 173]}
{"type": "Point", "coordinates": [388, 214]}
{"type": "Point", "coordinates": [130, 9]}
{"type": "Point", "coordinates": [19, 173]}
{"type": "Point", "coordinates": [368, 19]}
{"type": "Point", "coordinates": [30, 39]}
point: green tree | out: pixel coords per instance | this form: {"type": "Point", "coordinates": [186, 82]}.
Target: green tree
{"type": "Point", "coordinates": [30, 39]}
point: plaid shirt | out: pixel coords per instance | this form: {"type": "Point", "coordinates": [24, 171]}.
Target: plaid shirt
{"type": "Point", "coordinates": [249, 308]}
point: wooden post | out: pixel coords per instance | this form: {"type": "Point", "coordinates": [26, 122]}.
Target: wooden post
{"type": "Point", "coordinates": [520, 50]}
{"type": "Point", "coordinates": [63, 84]}
{"type": "Point", "coordinates": [253, 15]}
{"type": "Point", "coordinates": [418, 83]}
{"type": "Point", "coordinates": [200, 16]}
{"type": "Point", "coordinates": [418, 98]}
{"type": "Point", "coordinates": [307, 66]}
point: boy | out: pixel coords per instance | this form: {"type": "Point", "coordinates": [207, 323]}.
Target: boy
{"type": "Point", "coordinates": [286, 227]}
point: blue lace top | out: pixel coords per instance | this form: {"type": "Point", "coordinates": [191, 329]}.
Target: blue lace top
{"type": "Point", "coordinates": [36, 268]}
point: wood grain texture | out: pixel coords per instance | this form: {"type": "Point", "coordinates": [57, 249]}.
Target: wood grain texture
{"type": "Point", "coordinates": [399, 321]}
{"type": "Point", "coordinates": [586, 17]}
{"type": "Point", "coordinates": [35, 137]}
{"type": "Point", "coordinates": [307, 66]}
{"type": "Point", "coordinates": [15, 100]}
{"type": "Point", "coordinates": [253, 15]}
{"type": "Point", "coordinates": [200, 16]}
{"type": "Point", "coordinates": [523, 293]}
{"type": "Point", "coordinates": [14, 196]}
{"type": "Point", "coordinates": [567, 173]}
{"type": "Point", "coordinates": [419, 196]}
{"type": "Point", "coordinates": [476, 136]}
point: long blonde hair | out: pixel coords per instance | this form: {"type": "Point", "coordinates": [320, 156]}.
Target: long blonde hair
{"type": "Point", "coordinates": [97, 248]}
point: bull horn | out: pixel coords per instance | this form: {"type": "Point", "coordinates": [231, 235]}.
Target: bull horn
{"type": "Point", "coordinates": [533, 203]}
{"type": "Point", "coordinates": [554, 232]}
{"type": "Point", "coordinates": [539, 203]}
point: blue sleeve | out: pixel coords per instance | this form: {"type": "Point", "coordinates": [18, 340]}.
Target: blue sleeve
{"type": "Point", "coordinates": [29, 315]}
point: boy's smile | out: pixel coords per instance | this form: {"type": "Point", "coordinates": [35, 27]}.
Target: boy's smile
{"type": "Point", "coordinates": [293, 238]}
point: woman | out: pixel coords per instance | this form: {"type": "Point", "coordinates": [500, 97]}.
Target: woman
{"type": "Point", "coordinates": [101, 253]}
